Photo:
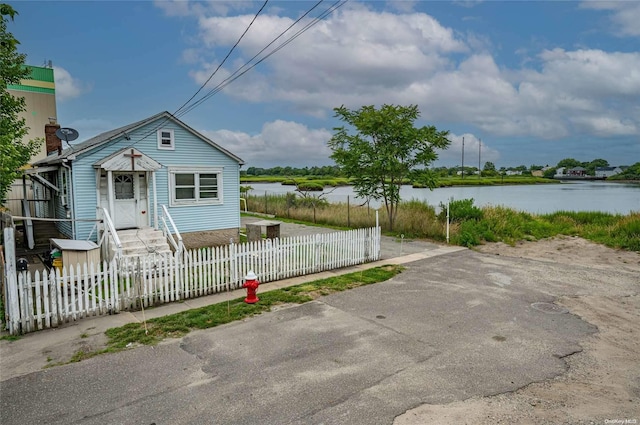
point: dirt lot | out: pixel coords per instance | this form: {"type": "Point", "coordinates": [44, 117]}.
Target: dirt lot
{"type": "Point", "coordinates": [602, 384]}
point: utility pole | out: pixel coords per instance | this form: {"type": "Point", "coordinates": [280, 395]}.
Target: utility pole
{"type": "Point", "coordinates": [479, 153]}
{"type": "Point", "coordinates": [462, 157]}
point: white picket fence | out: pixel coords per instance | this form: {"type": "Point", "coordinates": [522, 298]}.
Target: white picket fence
{"type": "Point", "coordinates": [38, 301]}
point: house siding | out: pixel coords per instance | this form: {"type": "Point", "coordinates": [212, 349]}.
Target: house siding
{"type": "Point", "coordinates": [190, 151]}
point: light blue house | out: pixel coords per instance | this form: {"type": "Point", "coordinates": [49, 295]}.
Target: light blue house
{"type": "Point", "coordinates": [136, 171]}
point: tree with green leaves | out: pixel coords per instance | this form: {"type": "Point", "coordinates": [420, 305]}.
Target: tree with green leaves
{"type": "Point", "coordinates": [591, 166]}
{"type": "Point", "coordinates": [549, 173]}
{"type": "Point", "coordinates": [385, 149]}
{"type": "Point", "coordinates": [14, 154]}
{"type": "Point", "coordinates": [489, 166]}
{"type": "Point", "coordinates": [569, 163]}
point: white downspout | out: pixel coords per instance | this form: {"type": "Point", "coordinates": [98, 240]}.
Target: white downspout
{"type": "Point", "coordinates": [98, 202]}
{"type": "Point", "coordinates": [155, 201]}
{"type": "Point", "coordinates": [70, 198]}
{"type": "Point", "coordinates": [110, 194]}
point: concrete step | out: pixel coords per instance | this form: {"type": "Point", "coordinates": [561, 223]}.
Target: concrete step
{"type": "Point", "coordinates": [144, 234]}
{"type": "Point", "coordinates": [143, 251]}
{"type": "Point", "coordinates": [143, 242]}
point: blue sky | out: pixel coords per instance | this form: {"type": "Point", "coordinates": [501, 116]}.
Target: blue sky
{"type": "Point", "coordinates": [536, 82]}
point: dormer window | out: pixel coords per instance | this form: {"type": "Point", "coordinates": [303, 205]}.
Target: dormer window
{"type": "Point", "coordinates": [165, 139]}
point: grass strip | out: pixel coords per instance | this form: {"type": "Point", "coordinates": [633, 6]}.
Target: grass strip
{"type": "Point", "coordinates": [179, 324]}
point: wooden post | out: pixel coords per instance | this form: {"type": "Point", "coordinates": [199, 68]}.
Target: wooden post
{"type": "Point", "coordinates": [12, 308]}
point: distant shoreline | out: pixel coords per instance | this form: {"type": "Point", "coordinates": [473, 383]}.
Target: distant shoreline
{"type": "Point", "coordinates": [585, 178]}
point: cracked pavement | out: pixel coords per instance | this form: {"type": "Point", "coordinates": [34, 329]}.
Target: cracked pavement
{"type": "Point", "coordinates": [447, 329]}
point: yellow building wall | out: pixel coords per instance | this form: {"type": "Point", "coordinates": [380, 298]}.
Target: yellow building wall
{"type": "Point", "coordinates": [40, 107]}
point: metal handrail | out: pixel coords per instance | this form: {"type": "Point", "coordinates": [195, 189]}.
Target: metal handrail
{"type": "Point", "coordinates": [111, 229]}
{"type": "Point", "coordinates": [179, 245]}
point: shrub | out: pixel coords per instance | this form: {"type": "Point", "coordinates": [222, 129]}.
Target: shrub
{"type": "Point", "coordinates": [460, 210]}
{"type": "Point", "coordinates": [311, 186]}
{"type": "Point", "coordinates": [626, 233]}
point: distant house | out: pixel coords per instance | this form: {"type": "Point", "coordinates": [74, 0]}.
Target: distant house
{"type": "Point", "coordinates": [513, 173]}
{"type": "Point", "coordinates": [607, 171]}
{"type": "Point", "coordinates": [537, 173]}
{"type": "Point", "coordinates": [134, 170]}
{"type": "Point", "coordinates": [577, 171]}
{"type": "Point", "coordinates": [560, 171]}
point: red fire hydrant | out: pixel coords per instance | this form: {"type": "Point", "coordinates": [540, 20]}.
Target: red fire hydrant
{"type": "Point", "coordinates": [251, 283]}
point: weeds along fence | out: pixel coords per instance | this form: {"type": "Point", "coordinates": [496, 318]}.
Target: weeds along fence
{"type": "Point", "coordinates": [347, 213]}
{"type": "Point", "coordinates": [414, 218]}
{"type": "Point", "coordinates": [44, 300]}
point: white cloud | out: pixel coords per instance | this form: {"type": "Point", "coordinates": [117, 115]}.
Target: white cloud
{"type": "Point", "coordinates": [67, 87]}
{"type": "Point", "coordinates": [606, 126]}
{"type": "Point", "coordinates": [410, 58]}
{"type": "Point", "coordinates": [278, 141]}
{"type": "Point", "coordinates": [191, 55]}
{"type": "Point", "coordinates": [625, 15]}
{"type": "Point", "coordinates": [337, 62]}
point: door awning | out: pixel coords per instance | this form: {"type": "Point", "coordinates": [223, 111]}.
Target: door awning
{"type": "Point", "coordinates": [129, 159]}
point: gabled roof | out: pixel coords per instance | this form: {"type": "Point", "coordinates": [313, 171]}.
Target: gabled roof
{"type": "Point", "coordinates": [111, 135]}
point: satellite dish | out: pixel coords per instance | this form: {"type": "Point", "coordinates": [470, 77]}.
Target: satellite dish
{"type": "Point", "coordinates": [67, 134]}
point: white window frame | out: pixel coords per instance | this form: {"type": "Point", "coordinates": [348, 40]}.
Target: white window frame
{"type": "Point", "coordinates": [196, 171]}
{"type": "Point", "coordinates": [170, 147]}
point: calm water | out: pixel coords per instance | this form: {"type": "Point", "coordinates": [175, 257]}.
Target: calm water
{"type": "Point", "coordinates": [615, 198]}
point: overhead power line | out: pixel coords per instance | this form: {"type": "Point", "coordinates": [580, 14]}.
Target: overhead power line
{"type": "Point", "coordinates": [240, 72]}
{"type": "Point", "coordinates": [224, 60]}
{"type": "Point", "coordinates": [162, 122]}
{"type": "Point", "coordinates": [186, 108]}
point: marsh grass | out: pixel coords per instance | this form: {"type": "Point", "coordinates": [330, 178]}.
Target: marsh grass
{"type": "Point", "coordinates": [471, 225]}
{"type": "Point", "coordinates": [469, 180]}
{"type": "Point", "coordinates": [509, 226]}
{"type": "Point", "coordinates": [473, 180]}
{"type": "Point", "coordinates": [292, 180]}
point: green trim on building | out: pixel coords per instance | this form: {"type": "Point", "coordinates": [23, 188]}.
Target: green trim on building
{"type": "Point", "coordinates": [38, 78]}
{"type": "Point", "coordinates": [21, 87]}
{"type": "Point", "coordinates": [39, 73]}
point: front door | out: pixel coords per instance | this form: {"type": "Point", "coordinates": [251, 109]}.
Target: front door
{"type": "Point", "coordinates": [126, 188]}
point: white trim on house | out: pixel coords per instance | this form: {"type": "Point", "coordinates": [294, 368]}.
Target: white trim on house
{"type": "Point", "coordinates": [201, 186]}
{"type": "Point", "coordinates": [128, 159]}
{"type": "Point", "coordinates": [166, 139]}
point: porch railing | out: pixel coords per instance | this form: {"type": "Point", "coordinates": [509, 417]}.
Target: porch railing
{"type": "Point", "coordinates": [171, 233]}
{"type": "Point", "coordinates": [108, 231]}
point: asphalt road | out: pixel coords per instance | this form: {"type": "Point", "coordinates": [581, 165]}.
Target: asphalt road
{"type": "Point", "coordinates": [447, 328]}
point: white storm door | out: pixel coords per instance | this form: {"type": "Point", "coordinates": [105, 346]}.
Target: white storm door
{"type": "Point", "coordinates": [125, 202]}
